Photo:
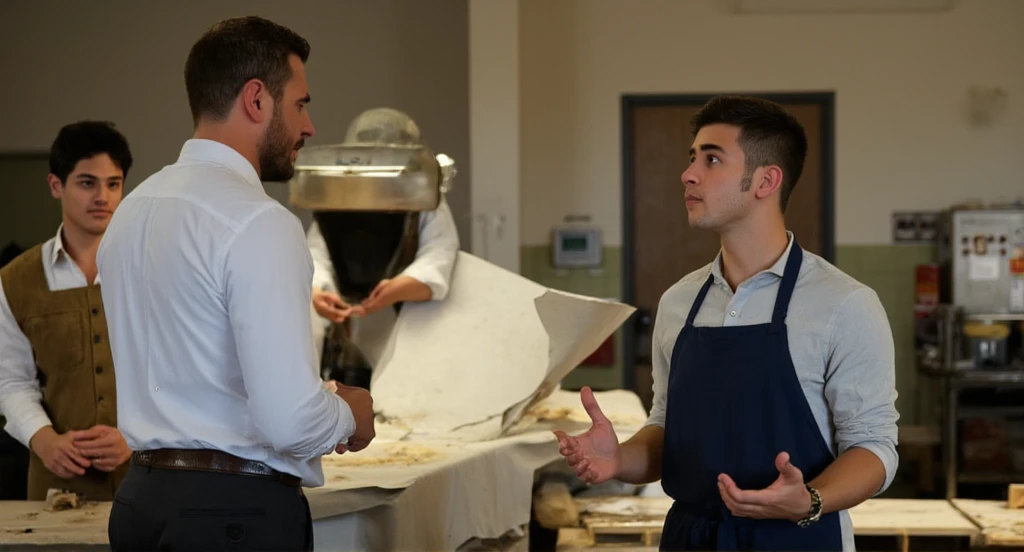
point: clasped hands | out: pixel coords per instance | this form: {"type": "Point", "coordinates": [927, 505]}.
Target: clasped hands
{"type": "Point", "coordinates": [361, 404]}
{"type": "Point", "coordinates": [69, 454]}
{"type": "Point", "coordinates": [595, 456]}
{"type": "Point", "coordinates": [387, 292]}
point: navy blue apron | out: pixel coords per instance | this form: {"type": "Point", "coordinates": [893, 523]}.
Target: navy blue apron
{"type": "Point", "coordinates": [734, 403]}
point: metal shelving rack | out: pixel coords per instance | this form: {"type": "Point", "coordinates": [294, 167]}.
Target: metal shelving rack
{"type": "Point", "coordinates": [957, 375]}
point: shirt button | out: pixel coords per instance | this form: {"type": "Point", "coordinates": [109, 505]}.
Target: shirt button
{"type": "Point", "coordinates": [101, 400]}
{"type": "Point", "coordinates": [95, 311]}
{"type": "Point", "coordinates": [99, 369]}
{"type": "Point", "coordinates": [732, 313]}
{"type": "Point", "coordinates": [157, 388]}
{"type": "Point", "coordinates": [95, 339]}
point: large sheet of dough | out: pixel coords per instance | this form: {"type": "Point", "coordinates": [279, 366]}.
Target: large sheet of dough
{"type": "Point", "coordinates": [466, 368]}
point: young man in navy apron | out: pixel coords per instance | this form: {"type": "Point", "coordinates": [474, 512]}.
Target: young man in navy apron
{"type": "Point", "coordinates": [774, 381]}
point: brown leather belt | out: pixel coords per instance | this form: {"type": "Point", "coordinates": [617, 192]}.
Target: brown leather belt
{"type": "Point", "coordinates": [211, 461]}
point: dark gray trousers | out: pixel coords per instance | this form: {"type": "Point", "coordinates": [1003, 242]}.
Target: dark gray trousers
{"type": "Point", "coordinates": [159, 509]}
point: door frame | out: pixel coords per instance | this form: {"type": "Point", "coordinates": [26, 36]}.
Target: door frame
{"type": "Point", "coordinates": [825, 99]}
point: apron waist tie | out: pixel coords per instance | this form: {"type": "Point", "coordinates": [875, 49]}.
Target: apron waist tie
{"type": "Point", "coordinates": [704, 527]}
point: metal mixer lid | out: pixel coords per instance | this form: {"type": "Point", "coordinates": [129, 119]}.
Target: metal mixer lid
{"type": "Point", "coordinates": [366, 178]}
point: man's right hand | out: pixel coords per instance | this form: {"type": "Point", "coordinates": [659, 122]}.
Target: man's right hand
{"type": "Point", "coordinates": [330, 306]}
{"type": "Point", "coordinates": [594, 455]}
{"type": "Point", "coordinates": [59, 453]}
{"type": "Point", "coordinates": [361, 404]}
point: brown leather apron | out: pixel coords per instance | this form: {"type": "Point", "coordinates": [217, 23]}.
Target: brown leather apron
{"type": "Point", "coordinates": [68, 332]}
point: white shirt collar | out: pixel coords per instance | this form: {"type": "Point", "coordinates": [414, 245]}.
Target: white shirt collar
{"type": "Point", "coordinates": [58, 246]}
{"type": "Point", "coordinates": [778, 268]}
{"type": "Point", "coordinates": [211, 151]}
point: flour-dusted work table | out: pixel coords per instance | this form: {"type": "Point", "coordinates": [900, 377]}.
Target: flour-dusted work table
{"type": "Point", "coordinates": [393, 496]}
{"type": "Point", "coordinates": [27, 526]}
{"type": "Point", "coordinates": [401, 493]}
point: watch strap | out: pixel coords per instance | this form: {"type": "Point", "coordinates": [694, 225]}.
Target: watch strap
{"type": "Point", "coordinates": [814, 513]}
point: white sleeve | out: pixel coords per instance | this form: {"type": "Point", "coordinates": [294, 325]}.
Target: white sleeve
{"type": "Point", "coordinates": [268, 287]}
{"type": "Point", "coordinates": [20, 396]}
{"type": "Point", "coordinates": [438, 248]}
{"type": "Point", "coordinates": [323, 269]}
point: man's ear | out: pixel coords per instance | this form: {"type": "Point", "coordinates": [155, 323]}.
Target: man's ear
{"type": "Point", "coordinates": [256, 102]}
{"type": "Point", "coordinates": [767, 181]}
{"type": "Point", "coordinates": [56, 186]}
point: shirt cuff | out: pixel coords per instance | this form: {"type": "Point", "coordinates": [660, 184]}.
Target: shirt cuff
{"type": "Point", "coordinates": [655, 420]}
{"type": "Point", "coordinates": [887, 454]}
{"type": "Point", "coordinates": [23, 430]}
{"type": "Point", "coordinates": [324, 284]}
{"type": "Point", "coordinates": [430, 278]}
{"type": "Point", "coordinates": [346, 424]}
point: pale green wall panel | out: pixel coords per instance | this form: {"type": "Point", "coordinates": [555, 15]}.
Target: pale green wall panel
{"type": "Point", "coordinates": [888, 269]}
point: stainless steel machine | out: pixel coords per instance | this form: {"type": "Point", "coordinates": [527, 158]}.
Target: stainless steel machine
{"type": "Point", "coordinates": [366, 195]}
{"type": "Point", "coordinates": [972, 343]}
{"type": "Point", "coordinates": [982, 253]}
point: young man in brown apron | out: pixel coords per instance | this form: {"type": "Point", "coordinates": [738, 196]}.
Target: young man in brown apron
{"type": "Point", "coordinates": [56, 372]}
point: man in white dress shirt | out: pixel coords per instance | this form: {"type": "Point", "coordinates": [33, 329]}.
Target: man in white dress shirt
{"type": "Point", "coordinates": [367, 263]}
{"type": "Point", "coordinates": [207, 285]}
{"type": "Point", "coordinates": [57, 388]}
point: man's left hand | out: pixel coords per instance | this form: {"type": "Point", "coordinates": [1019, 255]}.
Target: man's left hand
{"type": "Point", "coordinates": [786, 498]}
{"type": "Point", "coordinates": [104, 445]}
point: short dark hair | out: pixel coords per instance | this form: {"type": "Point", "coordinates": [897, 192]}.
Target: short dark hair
{"type": "Point", "coordinates": [233, 52]}
{"type": "Point", "coordinates": [769, 135]}
{"type": "Point", "coordinates": [86, 139]}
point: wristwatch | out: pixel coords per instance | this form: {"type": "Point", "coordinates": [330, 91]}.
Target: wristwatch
{"type": "Point", "coordinates": [814, 514]}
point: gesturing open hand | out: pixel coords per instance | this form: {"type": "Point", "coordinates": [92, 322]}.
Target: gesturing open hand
{"type": "Point", "coordinates": [594, 455]}
{"type": "Point", "coordinates": [786, 498]}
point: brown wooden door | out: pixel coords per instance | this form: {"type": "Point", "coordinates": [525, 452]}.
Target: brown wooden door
{"type": "Point", "coordinates": [661, 246]}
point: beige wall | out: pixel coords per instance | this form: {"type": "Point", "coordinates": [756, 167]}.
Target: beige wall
{"type": "Point", "coordinates": [122, 60]}
{"type": "Point", "coordinates": [494, 130]}
{"type": "Point", "coordinates": [901, 84]}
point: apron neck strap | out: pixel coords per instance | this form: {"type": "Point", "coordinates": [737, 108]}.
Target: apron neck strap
{"type": "Point", "coordinates": [789, 276]}
{"type": "Point", "coordinates": [700, 299]}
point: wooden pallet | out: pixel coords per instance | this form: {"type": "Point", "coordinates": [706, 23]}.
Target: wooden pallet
{"type": "Point", "coordinates": [608, 539]}
{"type": "Point", "coordinates": [634, 521]}
{"type": "Point", "coordinates": [1000, 526]}
{"type": "Point", "coordinates": [617, 523]}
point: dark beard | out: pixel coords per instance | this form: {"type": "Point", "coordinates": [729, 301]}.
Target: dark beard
{"type": "Point", "coordinates": [275, 152]}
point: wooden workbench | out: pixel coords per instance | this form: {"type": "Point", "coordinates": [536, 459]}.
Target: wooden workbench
{"type": "Point", "coordinates": [24, 523]}
{"type": "Point", "coordinates": [608, 519]}
{"type": "Point", "coordinates": [999, 526]}
{"type": "Point", "coordinates": [905, 518]}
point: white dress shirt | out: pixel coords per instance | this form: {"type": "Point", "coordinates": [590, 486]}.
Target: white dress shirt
{"type": "Point", "coordinates": [20, 395]}
{"type": "Point", "coordinates": [206, 287]}
{"type": "Point", "coordinates": [435, 258]}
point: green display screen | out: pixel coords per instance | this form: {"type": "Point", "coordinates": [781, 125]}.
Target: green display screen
{"type": "Point", "coordinates": [574, 243]}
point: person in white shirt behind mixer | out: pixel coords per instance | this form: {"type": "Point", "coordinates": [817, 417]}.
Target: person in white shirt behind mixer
{"type": "Point", "coordinates": [371, 258]}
